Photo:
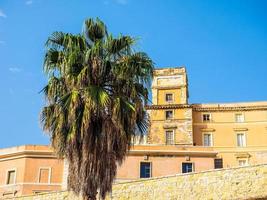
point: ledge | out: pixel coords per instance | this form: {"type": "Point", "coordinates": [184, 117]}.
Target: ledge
{"type": "Point", "coordinates": [240, 129]}
{"type": "Point", "coordinates": [28, 154]}
{"type": "Point", "coordinates": [208, 129]}
{"type": "Point", "coordinates": [170, 106]}
{"type": "Point", "coordinates": [228, 108]}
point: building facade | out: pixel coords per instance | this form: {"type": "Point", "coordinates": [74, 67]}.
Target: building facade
{"type": "Point", "coordinates": [182, 138]}
{"type": "Point", "coordinates": [29, 170]}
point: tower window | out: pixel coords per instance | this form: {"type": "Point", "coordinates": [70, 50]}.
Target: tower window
{"type": "Point", "coordinates": [169, 98]}
{"type": "Point", "coordinates": [206, 117]}
{"type": "Point", "coordinates": [169, 114]}
{"type": "Point", "coordinates": [169, 137]}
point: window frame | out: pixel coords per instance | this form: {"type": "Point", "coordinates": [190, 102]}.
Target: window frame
{"type": "Point", "coordinates": [150, 169]}
{"type": "Point", "coordinates": [169, 93]}
{"type": "Point", "coordinates": [215, 163]}
{"type": "Point", "coordinates": [173, 135]}
{"type": "Point", "coordinates": [211, 139]}
{"type": "Point", "coordinates": [49, 174]}
{"type": "Point", "coordinates": [206, 114]}
{"type": "Point", "coordinates": [166, 114]}
{"type": "Point", "coordinates": [7, 176]}
{"type": "Point", "coordinates": [243, 115]}
{"type": "Point", "coordinates": [245, 139]}
{"type": "Point", "coordinates": [243, 159]}
{"type": "Point", "coordinates": [185, 162]}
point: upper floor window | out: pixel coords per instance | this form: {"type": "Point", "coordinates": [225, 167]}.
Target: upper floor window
{"type": "Point", "coordinates": [169, 114]}
{"type": "Point", "coordinates": [207, 139]}
{"type": "Point", "coordinates": [187, 167]}
{"type": "Point", "coordinates": [11, 177]}
{"type": "Point", "coordinates": [169, 137]}
{"type": "Point", "coordinates": [241, 140]}
{"type": "Point", "coordinates": [145, 170]}
{"type": "Point", "coordinates": [239, 117]}
{"type": "Point", "coordinates": [218, 163]}
{"type": "Point", "coordinates": [169, 98]}
{"type": "Point", "coordinates": [44, 175]}
{"type": "Point", "coordinates": [206, 117]}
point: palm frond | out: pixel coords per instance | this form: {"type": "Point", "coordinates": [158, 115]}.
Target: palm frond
{"type": "Point", "coordinates": [95, 29]}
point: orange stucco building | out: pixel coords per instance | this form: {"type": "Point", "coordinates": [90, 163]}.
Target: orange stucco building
{"type": "Point", "coordinates": [182, 138]}
{"type": "Point", "coordinates": [29, 169]}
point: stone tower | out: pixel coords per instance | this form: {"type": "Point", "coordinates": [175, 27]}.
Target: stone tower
{"type": "Point", "coordinates": [170, 114]}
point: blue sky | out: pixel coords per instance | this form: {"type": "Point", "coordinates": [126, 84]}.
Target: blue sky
{"type": "Point", "coordinates": [223, 44]}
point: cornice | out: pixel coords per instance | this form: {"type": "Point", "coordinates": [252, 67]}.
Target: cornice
{"type": "Point", "coordinates": [228, 108]}
{"type": "Point", "coordinates": [207, 109]}
{"type": "Point", "coordinates": [161, 152]}
{"type": "Point", "coordinates": [169, 87]}
{"type": "Point", "coordinates": [169, 106]}
{"type": "Point", "coordinates": [27, 154]}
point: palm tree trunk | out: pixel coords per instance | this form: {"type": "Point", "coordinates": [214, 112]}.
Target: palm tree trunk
{"type": "Point", "coordinates": [90, 197]}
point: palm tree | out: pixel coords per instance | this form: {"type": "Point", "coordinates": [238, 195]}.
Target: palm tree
{"type": "Point", "coordinates": [95, 98]}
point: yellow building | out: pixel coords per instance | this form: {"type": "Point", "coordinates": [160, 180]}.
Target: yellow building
{"type": "Point", "coordinates": [236, 131]}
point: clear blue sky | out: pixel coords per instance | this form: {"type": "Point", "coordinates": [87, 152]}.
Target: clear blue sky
{"type": "Point", "coordinates": [223, 44]}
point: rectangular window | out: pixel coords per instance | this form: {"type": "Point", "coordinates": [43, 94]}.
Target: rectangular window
{"type": "Point", "coordinates": [145, 170]}
{"type": "Point", "coordinates": [241, 140]}
{"type": "Point", "coordinates": [169, 137]}
{"type": "Point", "coordinates": [169, 98]}
{"type": "Point", "coordinates": [207, 139]}
{"type": "Point", "coordinates": [44, 175]}
{"type": "Point", "coordinates": [239, 118]}
{"type": "Point", "coordinates": [243, 162]}
{"type": "Point", "coordinates": [11, 176]}
{"type": "Point", "coordinates": [187, 167]}
{"type": "Point", "coordinates": [218, 163]}
{"type": "Point", "coordinates": [206, 117]}
{"type": "Point", "coordinates": [169, 114]}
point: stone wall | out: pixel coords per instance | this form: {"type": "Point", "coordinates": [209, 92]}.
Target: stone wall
{"type": "Point", "coordinates": [237, 183]}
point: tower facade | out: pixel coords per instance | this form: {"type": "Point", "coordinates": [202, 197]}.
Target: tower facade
{"type": "Point", "coordinates": [170, 114]}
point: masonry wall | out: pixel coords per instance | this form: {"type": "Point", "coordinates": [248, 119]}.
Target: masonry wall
{"type": "Point", "coordinates": [237, 183]}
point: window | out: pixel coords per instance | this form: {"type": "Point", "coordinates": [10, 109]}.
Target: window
{"type": "Point", "coordinates": [239, 118]}
{"type": "Point", "coordinates": [187, 167]}
{"type": "Point", "coordinates": [169, 114]}
{"type": "Point", "coordinates": [11, 177]}
{"type": "Point", "coordinates": [169, 137]}
{"type": "Point", "coordinates": [44, 175]}
{"type": "Point", "coordinates": [206, 117]}
{"type": "Point", "coordinates": [169, 97]}
{"type": "Point", "coordinates": [207, 139]}
{"type": "Point", "coordinates": [241, 140]}
{"type": "Point", "coordinates": [218, 163]}
{"type": "Point", "coordinates": [145, 170]}
{"type": "Point", "coordinates": [242, 162]}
